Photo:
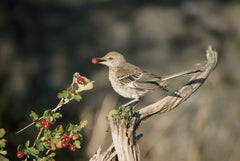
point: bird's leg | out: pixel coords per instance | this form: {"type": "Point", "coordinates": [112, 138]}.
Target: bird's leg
{"type": "Point", "coordinates": [131, 103]}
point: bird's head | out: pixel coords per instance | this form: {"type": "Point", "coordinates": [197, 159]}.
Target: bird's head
{"type": "Point", "coordinates": [112, 59]}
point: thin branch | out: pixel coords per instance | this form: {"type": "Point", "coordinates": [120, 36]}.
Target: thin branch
{"type": "Point", "coordinates": [88, 86]}
{"type": "Point", "coordinates": [38, 136]}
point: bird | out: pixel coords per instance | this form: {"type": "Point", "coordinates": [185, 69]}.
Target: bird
{"type": "Point", "coordinates": [131, 81]}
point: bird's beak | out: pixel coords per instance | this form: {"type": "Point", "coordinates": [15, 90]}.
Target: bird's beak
{"type": "Point", "coordinates": [101, 60]}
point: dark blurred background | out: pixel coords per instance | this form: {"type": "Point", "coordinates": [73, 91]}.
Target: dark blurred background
{"type": "Point", "coordinates": [43, 42]}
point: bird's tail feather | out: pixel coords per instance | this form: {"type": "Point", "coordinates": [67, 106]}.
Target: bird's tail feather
{"type": "Point", "coordinates": [171, 76]}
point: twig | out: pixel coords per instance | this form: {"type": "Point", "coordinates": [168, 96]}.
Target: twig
{"type": "Point", "coordinates": [38, 136]}
{"type": "Point", "coordinates": [87, 86]}
{"type": "Point", "coordinates": [47, 151]}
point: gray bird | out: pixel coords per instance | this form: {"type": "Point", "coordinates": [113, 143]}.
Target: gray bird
{"type": "Point", "coordinates": [129, 80]}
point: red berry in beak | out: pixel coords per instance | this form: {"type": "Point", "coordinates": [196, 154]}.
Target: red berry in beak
{"type": "Point", "coordinates": [94, 60]}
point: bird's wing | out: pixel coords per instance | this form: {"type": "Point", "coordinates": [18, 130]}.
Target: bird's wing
{"type": "Point", "coordinates": [151, 81]}
{"type": "Point", "coordinates": [134, 77]}
{"type": "Point", "coordinates": [128, 73]}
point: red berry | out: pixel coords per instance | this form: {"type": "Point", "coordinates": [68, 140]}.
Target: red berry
{"type": "Point", "coordinates": [4, 140]}
{"type": "Point", "coordinates": [47, 144]}
{"type": "Point", "coordinates": [19, 154]}
{"type": "Point", "coordinates": [42, 122]}
{"type": "Point", "coordinates": [80, 80]}
{"type": "Point", "coordinates": [64, 144]}
{"type": "Point", "coordinates": [72, 147]}
{"type": "Point", "coordinates": [46, 125]}
{"type": "Point", "coordinates": [94, 60]}
{"type": "Point", "coordinates": [66, 138]}
{"type": "Point", "coordinates": [75, 136]}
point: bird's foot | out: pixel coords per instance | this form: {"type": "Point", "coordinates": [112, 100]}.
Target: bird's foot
{"type": "Point", "coordinates": [131, 103]}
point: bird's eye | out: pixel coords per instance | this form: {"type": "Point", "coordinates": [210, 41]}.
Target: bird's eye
{"type": "Point", "coordinates": [110, 58]}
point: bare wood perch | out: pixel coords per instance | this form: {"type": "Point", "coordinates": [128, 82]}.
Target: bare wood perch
{"type": "Point", "coordinates": [123, 130]}
{"type": "Point", "coordinates": [182, 93]}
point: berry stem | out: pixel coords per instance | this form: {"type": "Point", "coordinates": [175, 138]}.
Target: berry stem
{"type": "Point", "coordinates": [38, 136]}
{"type": "Point", "coordinates": [60, 104]}
{"type": "Point", "coordinates": [47, 152]}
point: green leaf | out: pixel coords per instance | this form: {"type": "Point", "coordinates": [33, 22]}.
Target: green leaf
{"type": "Point", "coordinates": [27, 144]}
{"type": "Point", "coordinates": [59, 130]}
{"type": "Point", "coordinates": [76, 128]}
{"type": "Point", "coordinates": [2, 132]}
{"type": "Point", "coordinates": [40, 145]}
{"type": "Point", "coordinates": [38, 124]}
{"type": "Point", "coordinates": [71, 88]}
{"type": "Point", "coordinates": [76, 96]}
{"type": "Point", "coordinates": [69, 127]}
{"type": "Point", "coordinates": [80, 135]}
{"type": "Point", "coordinates": [77, 144]}
{"type": "Point", "coordinates": [2, 144]}
{"type": "Point", "coordinates": [33, 151]}
{"type": "Point", "coordinates": [46, 114]}
{"type": "Point", "coordinates": [112, 113]}
{"type": "Point", "coordinates": [54, 141]}
{"type": "Point", "coordinates": [66, 100]}
{"type": "Point", "coordinates": [3, 152]}
{"type": "Point", "coordinates": [51, 119]}
{"type": "Point", "coordinates": [42, 159]}
{"type": "Point", "coordinates": [83, 123]}
{"type": "Point", "coordinates": [19, 147]}
{"type": "Point", "coordinates": [51, 155]}
{"type": "Point", "coordinates": [57, 115]}
{"type": "Point", "coordinates": [47, 134]}
{"type": "Point", "coordinates": [118, 117]}
{"type": "Point", "coordinates": [121, 109]}
{"type": "Point", "coordinates": [64, 94]}
{"type": "Point", "coordinates": [128, 109]}
{"type": "Point", "coordinates": [37, 141]}
{"type": "Point", "coordinates": [34, 116]}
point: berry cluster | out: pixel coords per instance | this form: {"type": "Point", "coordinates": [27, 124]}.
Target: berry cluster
{"type": "Point", "coordinates": [49, 140]}
{"type": "Point", "coordinates": [64, 142]}
{"type": "Point", "coordinates": [66, 139]}
{"type": "Point", "coordinates": [44, 124]}
{"type": "Point", "coordinates": [52, 140]}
